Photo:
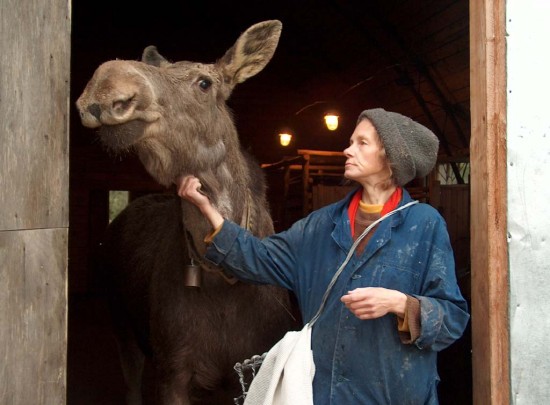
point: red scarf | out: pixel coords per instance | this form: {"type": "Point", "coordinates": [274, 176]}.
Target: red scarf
{"type": "Point", "coordinates": [390, 205]}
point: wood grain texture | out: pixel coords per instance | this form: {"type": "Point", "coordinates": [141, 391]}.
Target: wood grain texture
{"type": "Point", "coordinates": [490, 294]}
{"type": "Point", "coordinates": [33, 319]}
{"type": "Point", "coordinates": [34, 189]}
{"type": "Point", "coordinates": [34, 97]}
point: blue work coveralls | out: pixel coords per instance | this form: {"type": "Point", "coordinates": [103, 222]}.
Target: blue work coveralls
{"type": "Point", "coordinates": [360, 361]}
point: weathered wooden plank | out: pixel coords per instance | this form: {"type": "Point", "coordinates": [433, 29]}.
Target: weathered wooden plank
{"type": "Point", "coordinates": [33, 316]}
{"type": "Point", "coordinates": [490, 295]}
{"type": "Point", "coordinates": [34, 94]}
{"type": "Point", "coordinates": [34, 184]}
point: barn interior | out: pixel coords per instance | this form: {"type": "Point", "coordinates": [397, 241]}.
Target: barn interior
{"type": "Point", "coordinates": [407, 56]}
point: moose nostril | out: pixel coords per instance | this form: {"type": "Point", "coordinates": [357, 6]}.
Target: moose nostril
{"type": "Point", "coordinates": [95, 110]}
{"type": "Point", "coordinates": [121, 106]}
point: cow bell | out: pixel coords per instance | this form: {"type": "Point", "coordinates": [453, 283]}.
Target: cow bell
{"type": "Point", "coordinates": [192, 275]}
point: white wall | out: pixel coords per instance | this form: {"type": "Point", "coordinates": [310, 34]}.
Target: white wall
{"type": "Point", "coordinates": [528, 75]}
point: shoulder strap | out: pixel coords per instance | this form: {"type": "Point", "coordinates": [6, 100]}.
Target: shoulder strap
{"type": "Point", "coordinates": [348, 257]}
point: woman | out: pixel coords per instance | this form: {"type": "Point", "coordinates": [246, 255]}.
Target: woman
{"type": "Point", "coordinates": [396, 303]}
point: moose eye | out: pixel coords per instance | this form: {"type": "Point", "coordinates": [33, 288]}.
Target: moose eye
{"type": "Point", "coordinates": [205, 84]}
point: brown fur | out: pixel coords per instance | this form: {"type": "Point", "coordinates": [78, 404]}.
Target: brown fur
{"type": "Point", "coordinates": [174, 116]}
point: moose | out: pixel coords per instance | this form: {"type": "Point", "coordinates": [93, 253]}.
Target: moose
{"type": "Point", "coordinates": [179, 340]}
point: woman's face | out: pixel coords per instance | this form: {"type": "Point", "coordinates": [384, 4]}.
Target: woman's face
{"type": "Point", "coordinates": [366, 162]}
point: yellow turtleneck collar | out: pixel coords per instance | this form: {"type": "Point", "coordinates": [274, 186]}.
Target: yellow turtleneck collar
{"type": "Point", "coordinates": [370, 208]}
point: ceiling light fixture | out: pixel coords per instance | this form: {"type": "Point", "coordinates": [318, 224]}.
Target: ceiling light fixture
{"type": "Point", "coordinates": [285, 139]}
{"type": "Point", "coordinates": [331, 121]}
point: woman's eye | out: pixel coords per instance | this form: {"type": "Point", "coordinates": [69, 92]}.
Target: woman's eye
{"type": "Point", "coordinates": [205, 84]}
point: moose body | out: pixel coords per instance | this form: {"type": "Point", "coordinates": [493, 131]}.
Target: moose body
{"type": "Point", "coordinates": [174, 116]}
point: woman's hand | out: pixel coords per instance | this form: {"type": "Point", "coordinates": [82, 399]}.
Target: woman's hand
{"type": "Point", "coordinates": [189, 188]}
{"type": "Point", "coordinates": [375, 302]}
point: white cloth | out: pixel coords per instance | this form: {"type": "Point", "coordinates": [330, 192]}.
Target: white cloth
{"type": "Point", "coordinates": [286, 374]}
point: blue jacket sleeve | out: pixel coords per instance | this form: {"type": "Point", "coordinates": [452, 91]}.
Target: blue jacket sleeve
{"type": "Point", "coordinates": [262, 261]}
{"type": "Point", "coordinates": [443, 310]}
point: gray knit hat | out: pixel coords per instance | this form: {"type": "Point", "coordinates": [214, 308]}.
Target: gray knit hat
{"type": "Point", "coordinates": [410, 147]}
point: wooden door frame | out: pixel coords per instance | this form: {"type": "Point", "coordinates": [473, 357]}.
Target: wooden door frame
{"type": "Point", "coordinates": [489, 251]}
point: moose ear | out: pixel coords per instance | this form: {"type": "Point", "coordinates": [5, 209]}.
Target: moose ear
{"type": "Point", "coordinates": [151, 56]}
{"type": "Point", "coordinates": [252, 51]}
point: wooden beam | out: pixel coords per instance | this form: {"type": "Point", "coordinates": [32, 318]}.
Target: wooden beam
{"type": "Point", "coordinates": [320, 152]}
{"type": "Point", "coordinates": [490, 323]}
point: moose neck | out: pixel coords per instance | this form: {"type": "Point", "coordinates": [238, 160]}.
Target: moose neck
{"type": "Point", "coordinates": [228, 186]}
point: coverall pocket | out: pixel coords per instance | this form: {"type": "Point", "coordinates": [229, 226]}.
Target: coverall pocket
{"type": "Point", "coordinates": [398, 278]}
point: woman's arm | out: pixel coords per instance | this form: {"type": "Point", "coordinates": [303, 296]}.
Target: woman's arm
{"type": "Point", "coordinates": [189, 188]}
{"type": "Point", "coordinates": [443, 309]}
{"type": "Point", "coordinates": [267, 261]}
{"type": "Point", "coordinates": [374, 302]}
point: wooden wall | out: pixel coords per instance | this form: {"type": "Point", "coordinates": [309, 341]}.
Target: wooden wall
{"type": "Point", "coordinates": [455, 208]}
{"type": "Point", "coordinates": [34, 183]}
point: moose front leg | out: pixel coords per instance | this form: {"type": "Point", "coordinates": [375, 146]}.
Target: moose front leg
{"type": "Point", "coordinates": [132, 361]}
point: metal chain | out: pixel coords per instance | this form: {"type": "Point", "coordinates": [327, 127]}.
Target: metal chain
{"type": "Point", "coordinates": [252, 365]}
